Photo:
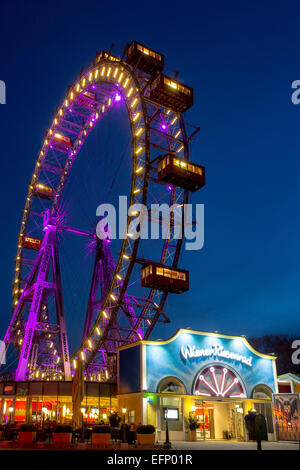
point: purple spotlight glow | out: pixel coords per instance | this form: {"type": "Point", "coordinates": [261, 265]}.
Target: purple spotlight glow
{"type": "Point", "coordinates": [164, 126]}
{"type": "Point", "coordinates": [93, 87]}
{"type": "Point", "coordinates": [117, 97]}
{"type": "Point", "coordinates": [170, 188]}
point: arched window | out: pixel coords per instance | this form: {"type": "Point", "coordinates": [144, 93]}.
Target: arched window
{"type": "Point", "coordinates": [171, 385]}
{"type": "Point", "coordinates": [219, 381]}
{"type": "Point", "coordinates": [262, 392]}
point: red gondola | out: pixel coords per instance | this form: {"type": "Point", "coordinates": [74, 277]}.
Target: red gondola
{"type": "Point", "coordinates": [144, 59]}
{"type": "Point", "coordinates": [44, 192]}
{"type": "Point", "coordinates": [171, 94]}
{"type": "Point", "coordinates": [62, 142]}
{"type": "Point", "coordinates": [179, 172]}
{"type": "Point", "coordinates": [32, 243]}
{"type": "Point", "coordinates": [159, 276]}
{"type": "Point", "coordinates": [88, 99]}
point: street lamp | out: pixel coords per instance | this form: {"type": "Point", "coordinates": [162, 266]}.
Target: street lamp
{"type": "Point", "coordinates": [44, 411]}
{"type": "Point", "coordinates": [167, 443]}
{"type": "Point", "coordinates": [10, 410]}
{"type": "Point", "coordinates": [124, 425]}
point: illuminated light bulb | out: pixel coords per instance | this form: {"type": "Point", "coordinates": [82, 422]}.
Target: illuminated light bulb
{"type": "Point", "coordinates": [82, 355]}
{"type": "Point", "coordinates": [179, 150]}
{"type": "Point", "coordinates": [90, 76]}
{"type": "Point", "coordinates": [125, 256]}
{"type": "Point", "coordinates": [108, 72]}
{"type": "Point", "coordinates": [135, 117]}
{"type": "Point", "coordinates": [136, 191]}
{"type": "Point", "coordinates": [173, 120]}
{"type": "Point", "coordinates": [112, 297]}
{"type": "Point", "coordinates": [77, 87]}
{"type": "Point", "coordinates": [90, 343]}
{"type": "Point", "coordinates": [109, 102]}
{"type": "Point", "coordinates": [103, 109]}
{"type": "Point", "coordinates": [119, 277]}
{"type": "Point", "coordinates": [116, 71]}
{"type": "Point", "coordinates": [140, 336]}
{"type": "Point", "coordinates": [71, 95]}
{"type": "Point", "coordinates": [177, 134]}
{"type": "Point", "coordinates": [66, 104]}
{"type": "Point", "coordinates": [98, 331]}
{"type": "Point", "coordinates": [74, 364]}
{"type": "Point", "coordinates": [141, 129]}
{"type": "Point", "coordinates": [83, 82]}
{"type": "Point", "coordinates": [104, 314]}
{"type": "Point", "coordinates": [139, 150]}
{"type": "Point", "coordinates": [129, 93]}
{"type": "Point", "coordinates": [139, 170]}
{"type": "Point", "coordinates": [102, 71]}
{"type": "Point", "coordinates": [120, 77]}
{"type": "Point", "coordinates": [96, 73]}
{"type": "Point", "coordinates": [134, 102]}
{"type": "Point", "coordinates": [126, 83]}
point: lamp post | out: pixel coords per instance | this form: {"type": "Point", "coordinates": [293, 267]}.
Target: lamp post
{"type": "Point", "coordinates": [10, 410]}
{"type": "Point", "coordinates": [167, 443]}
{"type": "Point", "coordinates": [124, 426]}
{"type": "Point", "coordinates": [82, 424]}
{"type": "Point", "coordinates": [44, 411]}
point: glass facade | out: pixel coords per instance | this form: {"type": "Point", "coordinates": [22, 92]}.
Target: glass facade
{"type": "Point", "coordinates": [51, 402]}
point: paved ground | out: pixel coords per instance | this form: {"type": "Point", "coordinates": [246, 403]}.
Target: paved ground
{"type": "Point", "coordinates": [233, 445]}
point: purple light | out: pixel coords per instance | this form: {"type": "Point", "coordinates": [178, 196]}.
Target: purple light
{"type": "Point", "coordinates": [170, 188]}
{"type": "Point", "coordinates": [164, 127]}
{"type": "Point", "coordinates": [117, 97]}
{"type": "Point", "coordinates": [93, 87]}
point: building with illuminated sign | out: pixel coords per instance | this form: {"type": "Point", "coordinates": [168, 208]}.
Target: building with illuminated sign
{"type": "Point", "coordinates": [214, 378]}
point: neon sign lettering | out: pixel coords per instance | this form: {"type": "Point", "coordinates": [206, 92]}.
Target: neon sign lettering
{"type": "Point", "coordinates": [216, 350]}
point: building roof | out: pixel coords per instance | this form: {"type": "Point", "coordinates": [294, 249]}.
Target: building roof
{"type": "Point", "coordinates": [288, 377]}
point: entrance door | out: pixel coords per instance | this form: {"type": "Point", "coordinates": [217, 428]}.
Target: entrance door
{"type": "Point", "coordinates": [204, 415]}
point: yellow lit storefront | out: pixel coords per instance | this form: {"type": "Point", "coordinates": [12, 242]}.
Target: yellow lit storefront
{"type": "Point", "coordinates": [215, 379]}
{"type": "Point", "coordinates": [43, 402]}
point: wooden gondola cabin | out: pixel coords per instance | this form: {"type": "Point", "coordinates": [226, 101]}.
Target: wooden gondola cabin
{"type": "Point", "coordinates": [144, 59]}
{"type": "Point", "coordinates": [158, 276]}
{"type": "Point", "coordinates": [88, 99]}
{"type": "Point", "coordinates": [171, 94]}
{"type": "Point", "coordinates": [43, 191]}
{"type": "Point", "coordinates": [179, 172]}
{"type": "Point", "coordinates": [62, 142]}
{"type": "Point", "coordinates": [32, 243]}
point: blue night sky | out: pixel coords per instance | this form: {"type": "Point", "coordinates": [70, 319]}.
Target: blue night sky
{"type": "Point", "coordinates": [240, 58]}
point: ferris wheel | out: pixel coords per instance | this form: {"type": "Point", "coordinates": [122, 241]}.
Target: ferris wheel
{"type": "Point", "coordinates": [122, 296]}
